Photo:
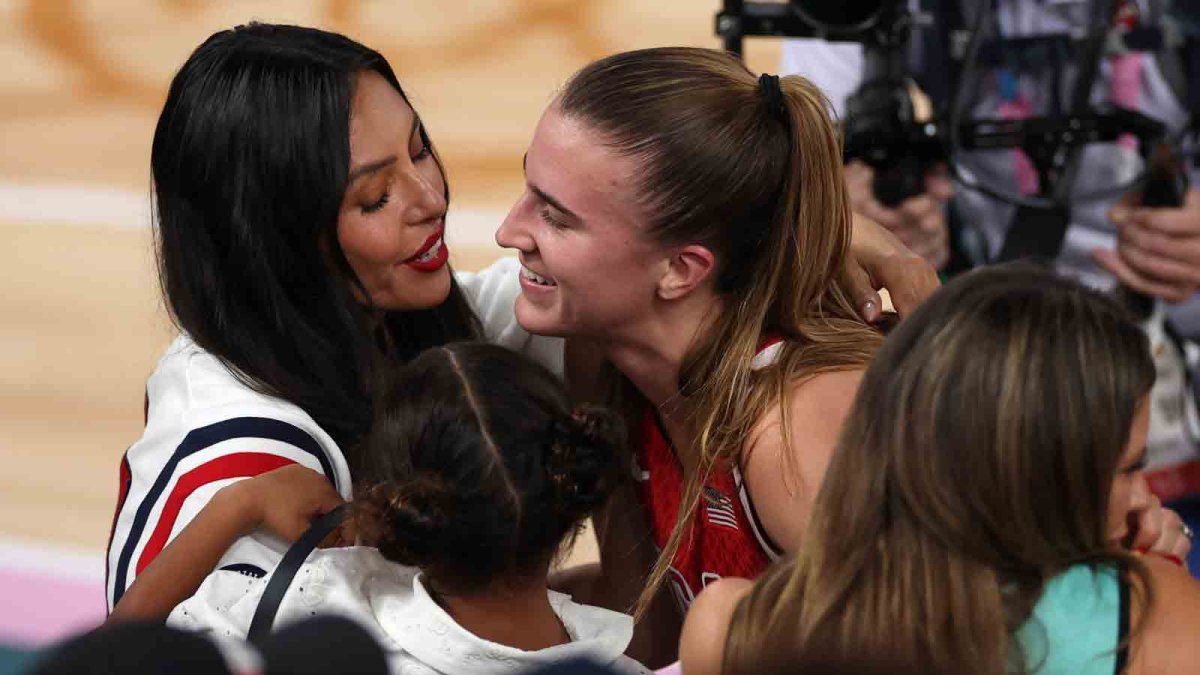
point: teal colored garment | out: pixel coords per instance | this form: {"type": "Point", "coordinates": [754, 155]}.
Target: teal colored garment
{"type": "Point", "coordinates": [1075, 627]}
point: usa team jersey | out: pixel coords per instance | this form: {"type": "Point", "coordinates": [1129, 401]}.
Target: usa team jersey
{"type": "Point", "coordinates": [205, 429]}
{"type": "Point", "coordinates": [725, 538]}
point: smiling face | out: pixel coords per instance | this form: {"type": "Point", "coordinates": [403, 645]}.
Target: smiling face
{"type": "Point", "coordinates": [589, 269]}
{"type": "Point", "coordinates": [392, 218]}
{"type": "Point", "coordinates": [1130, 492]}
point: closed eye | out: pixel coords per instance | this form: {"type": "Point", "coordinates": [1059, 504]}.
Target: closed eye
{"type": "Point", "coordinates": [547, 215]}
{"type": "Point", "coordinates": [377, 204]}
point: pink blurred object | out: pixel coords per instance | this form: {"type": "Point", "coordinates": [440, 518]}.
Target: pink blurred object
{"type": "Point", "coordinates": [1026, 174]}
{"type": "Point", "coordinates": [1125, 87]}
{"type": "Point", "coordinates": [48, 595]}
{"type": "Point", "coordinates": [673, 669]}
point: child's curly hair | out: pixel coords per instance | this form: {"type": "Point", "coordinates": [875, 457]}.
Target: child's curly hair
{"type": "Point", "coordinates": [477, 468]}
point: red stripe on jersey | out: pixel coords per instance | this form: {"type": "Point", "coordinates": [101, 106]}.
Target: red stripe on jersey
{"type": "Point", "coordinates": [236, 465]}
{"type": "Point", "coordinates": [124, 478]}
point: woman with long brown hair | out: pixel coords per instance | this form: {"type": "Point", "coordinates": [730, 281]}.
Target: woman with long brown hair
{"type": "Point", "coordinates": [976, 513]}
{"type": "Point", "coordinates": [689, 220]}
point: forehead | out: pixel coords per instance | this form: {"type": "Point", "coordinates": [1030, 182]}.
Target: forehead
{"type": "Point", "coordinates": [571, 162]}
{"type": "Point", "coordinates": [380, 119]}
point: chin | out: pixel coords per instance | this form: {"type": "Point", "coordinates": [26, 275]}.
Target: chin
{"type": "Point", "coordinates": [538, 321]}
{"type": "Point", "coordinates": [432, 293]}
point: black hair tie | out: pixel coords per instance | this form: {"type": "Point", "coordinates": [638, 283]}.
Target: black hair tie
{"type": "Point", "coordinates": [768, 85]}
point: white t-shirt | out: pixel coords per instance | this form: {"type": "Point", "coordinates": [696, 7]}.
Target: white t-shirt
{"type": "Point", "coordinates": [389, 600]}
{"type": "Point", "coordinates": [205, 429]}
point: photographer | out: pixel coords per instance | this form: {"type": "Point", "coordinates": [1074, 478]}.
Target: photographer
{"type": "Point", "coordinates": [1154, 251]}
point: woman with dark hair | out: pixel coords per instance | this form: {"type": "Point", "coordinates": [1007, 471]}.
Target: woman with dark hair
{"type": "Point", "coordinates": [977, 514]}
{"type": "Point", "coordinates": [476, 473]}
{"type": "Point", "coordinates": [300, 232]}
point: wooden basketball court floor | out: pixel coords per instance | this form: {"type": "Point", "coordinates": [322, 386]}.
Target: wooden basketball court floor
{"type": "Point", "coordinates": [81, 322]}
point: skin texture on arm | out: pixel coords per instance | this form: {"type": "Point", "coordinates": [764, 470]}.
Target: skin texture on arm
{"type": "Point", "coordinates": [1167, 643]}
{"type": "Point", "coordinates": [783, 481]}
{"type": "Point", "coordinates": [878, 259]}
{"type": "Point", "coordinates": [702, 645]}
{"type": "Point", "coordinates": [627, 555]}
{"type": "Point", "coordinates": [283, 501]}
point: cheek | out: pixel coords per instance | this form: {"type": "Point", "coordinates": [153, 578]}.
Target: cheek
{"type": "Point", "coordinates": [368, 247]}
{"type": "Point", "coordinates": [1119, 504]}
{"type": "Point", "coordinates": [605, 277]}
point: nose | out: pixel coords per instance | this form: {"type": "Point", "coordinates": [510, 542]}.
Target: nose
{"type": "Point", "coordinates": [514, 232]}
{"type": "Point", "coordinates": [1140, 496]}
{"type": "Point", "coordinates": [423, 200]}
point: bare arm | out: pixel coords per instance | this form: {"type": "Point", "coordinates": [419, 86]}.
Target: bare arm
{"type": "Point", "coordinates": [1167, 642]}
{"type": "Point", "coordinates": [878, 259]}
{"type": "Point", "coordinates": [702, 645]}
{"type": "Point", "coordinates": [283, 501]}
{"type": "Point", "coordinates": [178, 571]}
{"type": "Point", "coordinates": [783, 481]}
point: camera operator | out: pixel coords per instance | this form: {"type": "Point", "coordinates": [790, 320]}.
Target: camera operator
{"type": "Point", "coordinates": [1154, 251]}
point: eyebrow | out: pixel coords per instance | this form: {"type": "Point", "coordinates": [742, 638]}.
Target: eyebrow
{"type": "Point", "coordinates": [372, 167]}
{"type": "Point", "coordinates": [545, 197]}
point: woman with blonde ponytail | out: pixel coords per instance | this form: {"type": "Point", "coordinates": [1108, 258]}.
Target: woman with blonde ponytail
{"type": "Point", "coordinates": [985, 511]}
{"type": "Point", "coordinates": [688, 220]}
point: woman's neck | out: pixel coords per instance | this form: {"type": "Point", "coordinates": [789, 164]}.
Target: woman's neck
{"type": "Point", "coordinates": [650, 352]}
{"type": "Point", "coordinates": [514, 614]}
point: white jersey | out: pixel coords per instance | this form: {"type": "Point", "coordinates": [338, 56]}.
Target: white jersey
{"type": "Point", "coordinates": [390, 601]}
{"type": "Point", "coordinates": [205, 429]}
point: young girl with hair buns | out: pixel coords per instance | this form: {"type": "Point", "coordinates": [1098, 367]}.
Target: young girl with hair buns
{"type": "Point", "coordinates": [476, 473]}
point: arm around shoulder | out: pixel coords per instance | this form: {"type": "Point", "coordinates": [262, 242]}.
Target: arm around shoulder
{"type": "Point", "coordinates": [702, 645]}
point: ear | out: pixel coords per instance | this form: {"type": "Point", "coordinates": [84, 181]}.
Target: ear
{"type": "Point", "coordinates": [688, 268]}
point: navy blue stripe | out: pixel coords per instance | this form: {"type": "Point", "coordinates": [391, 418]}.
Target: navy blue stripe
{"type": "Point", "coordinates": [246, 569]}
{"type": "Point", "coordinates": [123, 492]}
{"type": "Point", "coordinates": [199, 439]}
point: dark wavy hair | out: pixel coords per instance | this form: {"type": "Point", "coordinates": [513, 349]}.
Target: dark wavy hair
{"type": "Point", "coordinates": [477, 468]}
{"type": "Point", "coordinates": [250, 162]}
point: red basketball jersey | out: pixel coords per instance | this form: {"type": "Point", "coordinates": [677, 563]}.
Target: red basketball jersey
{"type": "Point", "coordinates": [724, 538]}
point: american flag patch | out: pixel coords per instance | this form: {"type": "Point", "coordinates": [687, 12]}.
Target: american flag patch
{"type": "Point", "coordinates": [719, 508]}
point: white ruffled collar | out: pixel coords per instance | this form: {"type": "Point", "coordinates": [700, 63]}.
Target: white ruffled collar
{"type": "Point", "coordinates": [410, 620]}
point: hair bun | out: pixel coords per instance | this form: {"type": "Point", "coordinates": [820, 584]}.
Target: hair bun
{"type": "Point", "coordinates": [406, 520]}
{"type": "Point", "coordinates": [583, 460]}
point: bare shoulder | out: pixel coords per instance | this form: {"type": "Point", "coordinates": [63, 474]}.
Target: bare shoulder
{"type": "Point", "coordinates": [815, 404]}
{"type": "Point", "coordinates": [783, 478]}
{"type": "Point", "coordinates": [1167, 643]}
{"type": "Point", "coordinates": [702, 645]}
